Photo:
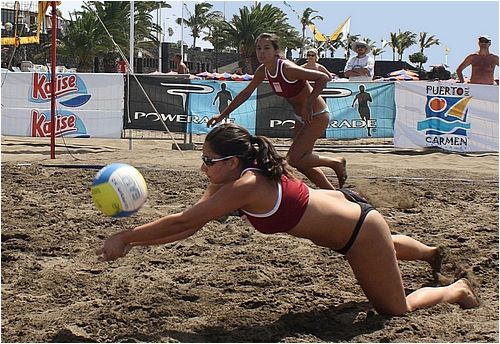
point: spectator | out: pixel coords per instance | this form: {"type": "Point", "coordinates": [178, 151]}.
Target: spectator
{"type": "Point", "coordinates": [312, 62]}
{"type": "Point", "coordinates": [181, 66]}
{"type": "Point", "coordinates": [360, 67]}
{"type": "Point", "coordinates": [482, 62]}
{"type": "Point", "coordinates": [122, 65]}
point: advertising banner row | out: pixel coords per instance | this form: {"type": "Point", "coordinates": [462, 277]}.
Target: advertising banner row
{"type": "Point", "coordinates": [455, 117]}
{"type": "Point", "coordinates": [356, 110]}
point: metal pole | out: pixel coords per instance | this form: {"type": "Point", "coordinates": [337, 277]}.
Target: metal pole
{"type": "Point", "coordinates": [131, 40]}
{"type": "Point", "coordinates": [182, 32]}
{"type": "Point", "coordinates": [158, 22]}
{"type": "Point", "coordinates": [53, 114]}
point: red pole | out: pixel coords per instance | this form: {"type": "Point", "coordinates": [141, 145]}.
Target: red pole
{"type": "Point", "coordinates": [53, 114]}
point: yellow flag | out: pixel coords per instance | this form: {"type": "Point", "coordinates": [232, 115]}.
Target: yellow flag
{"type": "Point", "coordinates": [318, 36]}
{"type": "Point", "coordinates": [343, 29]}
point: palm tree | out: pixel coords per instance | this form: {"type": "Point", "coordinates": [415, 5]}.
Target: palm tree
{"type": "Point", "coordinates": [200, 20]}
{"type": "Point", "coordinates": [393, 43]}
{"type": "Point", "coordinates": [82, 40]}
{"type": "Point", "coordinates": [242, 30]}
{"type": "Point", "coordinates": [427, 42]}
{"type": "Point", "coordinates": [405, 40]}
{"type": "Point", "coordinates": [376, 52]}
{"type": "Point", "coordinates": [116, 18]}
{"type": "Point", "coordinates": [306, 19]}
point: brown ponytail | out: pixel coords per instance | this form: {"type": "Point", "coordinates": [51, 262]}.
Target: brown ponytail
{"type": "Point", "coordinates": [253, 151]}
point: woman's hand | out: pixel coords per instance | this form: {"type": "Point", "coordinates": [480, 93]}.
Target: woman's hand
{"type": "Point", "coordinates": [113, 248]}
{"type": "Point", "coordinates": [306, 112]}
{"type": "Point", "coordinates": [214, 120]}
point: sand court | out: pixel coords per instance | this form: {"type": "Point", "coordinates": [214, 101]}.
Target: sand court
{"type": "Point", "coordinates": [229, 283]}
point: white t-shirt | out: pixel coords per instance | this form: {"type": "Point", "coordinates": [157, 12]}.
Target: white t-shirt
{"type": "Point", "coordinates": [367, 62]}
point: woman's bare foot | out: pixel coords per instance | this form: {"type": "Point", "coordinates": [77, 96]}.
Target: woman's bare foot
{"type": "Point", "coordinates": [437, 260]}
{"type": "Point", "coordinates": [469, 298]}
{"type": "Point", "coordinates": [340, 169]}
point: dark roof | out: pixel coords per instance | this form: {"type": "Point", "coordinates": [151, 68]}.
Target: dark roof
{"type": "Point", "coordinates": [382, 68]}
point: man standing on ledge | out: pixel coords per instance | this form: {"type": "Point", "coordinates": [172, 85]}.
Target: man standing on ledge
{"type": "Point", "coordinates": [360, 67]}
{"type": "Point", "coordinates": [483, 64]}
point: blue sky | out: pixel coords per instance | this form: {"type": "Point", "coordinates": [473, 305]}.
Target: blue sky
{"type": "Point", "coordinates": [457, 24]}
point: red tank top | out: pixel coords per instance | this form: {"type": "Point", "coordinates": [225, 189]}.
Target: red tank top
{"type": "Point", "coordinates": [293, 197]}
{"type": "Point", "coordinates": [281, 85]}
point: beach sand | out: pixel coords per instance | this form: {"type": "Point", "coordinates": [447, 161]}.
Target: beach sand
{"type": "Point", "coordinates": [229, 283]}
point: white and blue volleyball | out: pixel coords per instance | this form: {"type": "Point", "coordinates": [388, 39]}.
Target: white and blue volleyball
{"type": "Point", "coordinates": [119, 190]}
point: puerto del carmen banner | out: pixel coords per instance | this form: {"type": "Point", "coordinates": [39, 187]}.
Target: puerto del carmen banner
{"type": "Point", "coordinates": [87, 105]}
{"type": "Point", "coordinates": [452, 116]}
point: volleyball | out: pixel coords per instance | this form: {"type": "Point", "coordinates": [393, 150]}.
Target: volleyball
{"type": "Point", "coordinates": [119, 190]}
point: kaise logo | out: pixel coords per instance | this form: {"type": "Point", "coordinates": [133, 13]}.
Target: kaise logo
{"type": "Point", "coordinates": [65, 85]}
{"type": "Point", "coordinates": [66, 123]}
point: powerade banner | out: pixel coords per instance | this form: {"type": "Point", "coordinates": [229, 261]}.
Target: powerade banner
{"type": "Point", "coordinates": [360, 110]}
{"type": "Point", "coordinates": [452, 116]}
{"type": "Point", "coordinates": [202, 107]}
{"type": "Point", "coordinates": [170, 98]}
{"type": "Point", "coordinates": [275, 116]}
{"type": "Point", "coordinates": [356, 110]}
{"type": "Point", "coordinates": [87, 105]}
{"type": "Point", "coordinates": [184, 106]}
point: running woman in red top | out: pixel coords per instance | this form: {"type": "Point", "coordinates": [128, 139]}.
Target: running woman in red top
{"type": "Point", "coordinates": [246, 173]}
{"type": "Point", "coordinates": [312, 115]}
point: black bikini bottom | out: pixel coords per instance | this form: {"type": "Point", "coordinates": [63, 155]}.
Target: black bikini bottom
{"type": "Point", "coordinates": [365, 209]}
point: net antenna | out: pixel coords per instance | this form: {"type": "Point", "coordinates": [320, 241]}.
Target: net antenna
{"type": "Point", "coordinates": [131, 72]}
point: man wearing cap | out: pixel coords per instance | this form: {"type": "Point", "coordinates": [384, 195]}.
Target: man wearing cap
{"type": "Point", "coordinates": [360, 67]}
{"type": "Point", "coordinates": [482, 62]}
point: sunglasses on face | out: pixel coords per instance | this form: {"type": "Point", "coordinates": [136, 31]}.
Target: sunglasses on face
{"type": "Point", "coordinates": [308, 55]}
{"type": "Point", "coordinates": [360, 47]}
{"type": "Point", "coordinates": [484, 40]}
{"type": "Point", "coordinates": [211, 161]}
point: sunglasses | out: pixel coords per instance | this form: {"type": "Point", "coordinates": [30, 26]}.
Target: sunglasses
{"type": "Point", "coordinates": [311, 55]}
{"type": "Point", "coordinates": [361, 46]}
{"type": "Point", "coordinates": [211, 161]}
{"type": "Point", "coordinates": [484, 40]}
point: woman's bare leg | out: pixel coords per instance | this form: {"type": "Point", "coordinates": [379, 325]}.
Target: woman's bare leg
{"type": "Point", "coordinates": [303, 159]}
{"type": "Point", "coordinates": [373, 261]}
{"type": "Point", "coordinates": [410, 249]}
{"type": "Point", "coordinates": [460, 292]}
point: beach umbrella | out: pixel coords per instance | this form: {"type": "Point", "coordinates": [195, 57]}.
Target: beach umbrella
{"type": "Point", "coordinates": [203, 74]}
{"type": "Point", "coordinates": [237, 77]}
{"type": "Point", "coordinates": [247, 77]}
{"type": "Point", "coordinates": [401, 78]}
{"type": "Point", "coordinates": [226, 76]}
{"type": "Point", "coordinates": [402, 74]}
